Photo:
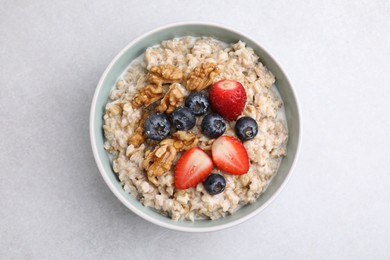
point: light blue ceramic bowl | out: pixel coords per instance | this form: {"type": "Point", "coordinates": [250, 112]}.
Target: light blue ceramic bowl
{"type": "Point", "coordinates": [137, 47]}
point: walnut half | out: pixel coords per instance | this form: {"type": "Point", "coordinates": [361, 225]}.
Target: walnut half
{"type": "Point", "coordinates": [147, 95]}
{"type": "Point", "coordinates": [184, 140]}
{"type": "Point", "coordinates": [165, 74]}
{"type": "Point", "coordinates": [172, 99]}
{"type": "Point", "coordinates": [203, 76]}
{"type": "Point", "coordinates": [159, 161]}
{"type": "Point", "coordinates": [138, 136]}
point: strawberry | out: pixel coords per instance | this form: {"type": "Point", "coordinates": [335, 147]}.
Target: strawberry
{"type": "Point", "coordinates": [227, 98]}
{"type": "Point", "coordinates": [229, 155]}
{"type": "Point", "coordinates": [193, 167]}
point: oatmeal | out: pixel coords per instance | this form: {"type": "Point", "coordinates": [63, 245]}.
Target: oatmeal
{"type": "Point", "coordinates": [237, 146]}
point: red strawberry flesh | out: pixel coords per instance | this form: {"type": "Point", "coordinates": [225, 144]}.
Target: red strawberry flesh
{"type": "Point", "coordinates": [230, 155]}
{"type": "Point", "coordinates": [193, 167]}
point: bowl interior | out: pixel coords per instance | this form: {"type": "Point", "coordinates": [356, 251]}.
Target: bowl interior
{"type": "Point", "coordinates": [136, 48]}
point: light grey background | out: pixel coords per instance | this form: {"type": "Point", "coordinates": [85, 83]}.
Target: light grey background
{"type": "Point", "coordinates": [53, 202]}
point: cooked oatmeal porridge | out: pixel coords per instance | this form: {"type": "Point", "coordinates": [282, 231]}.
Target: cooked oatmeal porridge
{"type": "Point", "coordinates": [155, 88]}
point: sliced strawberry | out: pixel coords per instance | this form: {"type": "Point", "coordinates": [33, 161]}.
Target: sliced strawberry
{"type": "Point", "coordinates": [227, 98]}
{"type": "Point", "coordinates": [193, 167]}
{"type": "Point", "coordinates": [229, 155]}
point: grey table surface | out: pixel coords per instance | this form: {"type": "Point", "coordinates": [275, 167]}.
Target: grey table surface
{"type": "Point", "coordinates": [55, 205]}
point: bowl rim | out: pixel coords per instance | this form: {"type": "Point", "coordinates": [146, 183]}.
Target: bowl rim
{"type": "Point", "coordinates": [105, 174]}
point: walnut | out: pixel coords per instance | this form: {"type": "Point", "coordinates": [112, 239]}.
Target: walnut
{"type": "Point", "coordinates": [159, 161]}
{"type": "Point", "coordinates": [172, 99]}
{"type": "Point", "coordinates": [202, 76]}
{"type": "Point", "coordinates": [184, 141]}
{"type": "Point", "coordinates": [206, 146]}
{"type": "Point", "coordinates": [165, 74]}
{"type": "Point", "coordinates": [138, 136]}
{"type": "Point", "coordinates": [147, 95]}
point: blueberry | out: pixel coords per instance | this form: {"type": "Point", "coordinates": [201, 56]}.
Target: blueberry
{"type": "Point", "coordinates": [198, 103]}
{"type": "Point", "coordinates": [213, 125]}
{"type": "Point", "coordinates": [157, 126]}
{"type": "Point", "coordinates": [246, 128]}
{"type": "Point", "coordinates": [214, 184]}
{"type": "Point", "coordinates": [183, 118]}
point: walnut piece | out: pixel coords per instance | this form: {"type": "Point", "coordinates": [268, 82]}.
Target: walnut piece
{"type": "Point", "coordinates": [159, 161]}
{"type": "Point", "coordinates": [138, 136]}
{"type": "Point", "coordinates": [201, 77]}
{"type": "Point", "coordinates": [165, 74]}
{"type": "Point", "coordinates": [172, 99]}
{"type": "Point", "coordinates": [206, 146]}
{"type": "Point", "coordinates": [184, 140]}
{"type": "Point", "coordinates": [147, 95]}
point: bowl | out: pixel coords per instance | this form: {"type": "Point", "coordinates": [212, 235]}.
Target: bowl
{"type": "Point", "coordinates": [136, 48]}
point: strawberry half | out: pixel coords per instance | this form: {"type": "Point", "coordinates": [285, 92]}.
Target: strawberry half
{"type": "Point", "coordinates": [230, 155]}
{"type": "Point", "coordinates": [193, 167]}
{"type": "Point", "coordinates": [227, 98]}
